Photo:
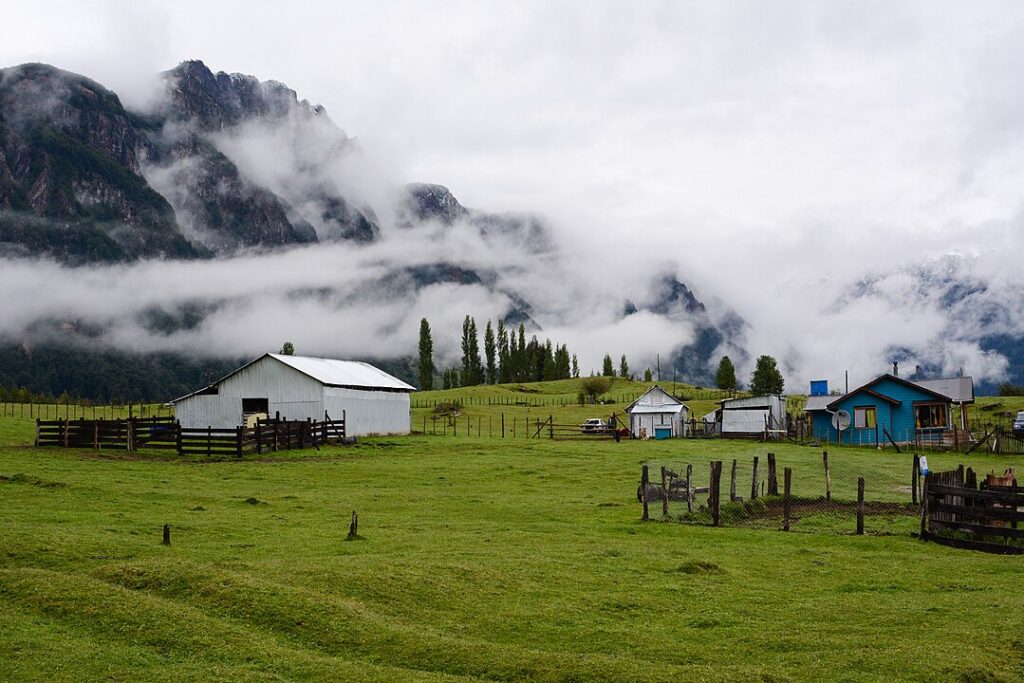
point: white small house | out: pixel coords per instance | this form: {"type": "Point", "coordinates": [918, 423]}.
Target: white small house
{"type": "Point", "coordinates": [300, 387]}
{"type": "Point", "coordinates": [657, 415]}
{"type": "Point", "coordinates": [753, 416]}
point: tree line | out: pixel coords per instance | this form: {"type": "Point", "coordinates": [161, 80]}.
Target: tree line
{"type": "Point", "coordinates": [507, 357]}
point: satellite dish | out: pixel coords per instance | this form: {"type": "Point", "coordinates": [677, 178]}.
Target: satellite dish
{"type": "Point", "coordinates": [841, 420]}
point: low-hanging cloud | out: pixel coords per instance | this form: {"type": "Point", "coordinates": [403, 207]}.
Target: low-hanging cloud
{"type": "Point", "coordinates": [829, 174]}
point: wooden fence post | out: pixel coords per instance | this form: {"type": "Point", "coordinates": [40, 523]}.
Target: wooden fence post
{"type": "Point", "coordinates": [664, 492]}
{"type": "Point", "coordinates": [689, 488]}
{"type": "Point", "coordinates": [130, 435]}
{"type": "Point", "coordinates": [177, 435]}
{"type": "Point", "coordinates": [239, 431]}
{"type": "Point", "coordinates": [643, 490]}
{"type": "Point", "coordinates": [732, 483]}
{"type": "Point", "coordinates": [503, 424]}
{"type": "Point", "coordinates": [828, 478]}
{"type": "Point", "coordinates": [787, 483]}
{"type": "Point", "coordinates": [716, 482]}
{"type": "Point", "coordinates": [753, 482]}
{"type": "Point", "coordinates": [915, 475]}
{"type": "Point", "coordinates": [209, 434]}
{"type": "Point", "coordinates": [167, 534]}
{"type": "Point", "coordinates": [860, 506]}
{"type": "Point", "coordinates": [773, 481]}
{"type": "Point", "coordinates": [344, 424]}
{"type": "Point", "coordinates": [37, 433]}
{"type": "Point", "coordinates": [924, 507]}
{"type": "Point", "coordinates": [551, 427]}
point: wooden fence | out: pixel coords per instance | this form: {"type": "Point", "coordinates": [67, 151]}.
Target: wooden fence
{"type": "Point", "coordinates": [956, 511]}
{"type": "Point", "coordinates": [134, 434]}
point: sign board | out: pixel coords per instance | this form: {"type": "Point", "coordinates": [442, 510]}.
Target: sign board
{"type": "Point", "coordinates": [924, 466]}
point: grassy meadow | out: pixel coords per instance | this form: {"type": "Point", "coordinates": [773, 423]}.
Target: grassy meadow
{"type": "Point", "coordinates": [480, 559]}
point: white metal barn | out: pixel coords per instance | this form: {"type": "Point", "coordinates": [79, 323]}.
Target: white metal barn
{"type": "Point", "coordinates": [299, 387]}
{"type": "Point", "coordinates": [657, 415]}
{"type": "Point", "coordinates": [751, 416]}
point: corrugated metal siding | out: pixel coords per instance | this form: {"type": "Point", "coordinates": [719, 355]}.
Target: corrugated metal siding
{"type": "Point", "coordinates": [288, 391]}
{"type": "Point", "coordinates": [369, 412]}
{"type": "Point", "coordinates": [742, 416]}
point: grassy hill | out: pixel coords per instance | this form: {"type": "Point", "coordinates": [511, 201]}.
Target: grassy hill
{"type": "Point", "coordinates": [558, 399]}
{"type": "Point", "coordinates": [482, 559]}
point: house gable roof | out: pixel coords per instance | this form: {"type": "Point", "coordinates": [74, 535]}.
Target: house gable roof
{"type": "Point", "coordinates": [669, 404]}
{"type": "Point", "coordinates": [866, 389]}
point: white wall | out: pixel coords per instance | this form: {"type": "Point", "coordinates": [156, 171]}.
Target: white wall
{"type": "Point", "coordinates": [295, 395]}
{"type": "Point", "coordinates": [369, 412]}
{"type": "Point", "coordinates": [650, 421]}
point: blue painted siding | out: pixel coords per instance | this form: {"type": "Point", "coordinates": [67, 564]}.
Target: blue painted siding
{"type": "Point", "coordinates": [897, 420]}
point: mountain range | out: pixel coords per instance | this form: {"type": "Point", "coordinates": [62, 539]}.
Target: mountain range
{"type": "Point", "coordinates": [86, 182]}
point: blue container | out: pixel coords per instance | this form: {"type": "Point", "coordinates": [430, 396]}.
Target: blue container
{"type": "Point", "coordinates": [819, 387]}
{"type": "Point", "coordinates": [662, 433]}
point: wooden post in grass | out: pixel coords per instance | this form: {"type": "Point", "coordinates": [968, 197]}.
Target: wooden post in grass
{"type": "Point", "coordinates": [715, 497]}
{"type": "Point", "coordinates": [167, 534]}
{"type": "Point", "coordinates": [753, 481]}
{"type": "Point", "coordinates": [643, 491]}
{"type": "Point", "coordinates": [828, 478]}
{"type": "Point", "coordinates": [503, 424]}
{"type": "Point", "coordinates": [689, 488]}
{"type": "Point", "coordinates": [924, 507]}
{"type": "Point", "coordinates": [551, 428]}
{"type": "Point", "coordinates": [732, 483]}
{"type": "Point", "coordinates": [664, 492]}
{"type": "Point", "coordinates": [860, 506]}
{"type": "Point", "coordinates": [915, 475]}
{"type": "Point", "coordinates": [773, 481]}
{"type": "Point", "coordinates": [787, 489]}
{"type": "Point", "coordinates": [353, 527]}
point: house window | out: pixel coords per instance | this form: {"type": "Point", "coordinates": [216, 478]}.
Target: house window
{"type": "Point", "coordinates": [931, 416]}
{"type": "Point", "coordinates": [864, 418]}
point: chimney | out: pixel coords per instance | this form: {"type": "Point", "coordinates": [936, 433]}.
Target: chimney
{"type": "Point", "coordinates": [917, 372]}
{"type": "Point", "coordinates": [895, 369]}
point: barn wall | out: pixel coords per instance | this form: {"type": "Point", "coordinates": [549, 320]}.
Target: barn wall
{"type": "Point", "coordinates": [295, 395]}
{"type": "Point", "coordinates": [369, 412]}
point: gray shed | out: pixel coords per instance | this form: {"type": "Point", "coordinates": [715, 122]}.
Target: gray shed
{"type": "Point", "coordinates": [752, 416]}
{"type": "Point", "coordinates": [300, 387]}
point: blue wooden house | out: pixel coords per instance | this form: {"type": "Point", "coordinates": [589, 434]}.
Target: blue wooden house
{"type": "Point", "coordinates": [891, 409]}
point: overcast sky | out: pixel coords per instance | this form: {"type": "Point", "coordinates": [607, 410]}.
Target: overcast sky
{"type": "Point", "coordinates": [775, 152]}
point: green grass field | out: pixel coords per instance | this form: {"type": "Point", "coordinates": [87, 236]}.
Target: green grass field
{"type": "Point", "coordinates": [481, 559]}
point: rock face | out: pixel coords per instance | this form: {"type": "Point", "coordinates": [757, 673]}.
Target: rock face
{"type": "Point", "coordinates": [207, 117]}
{"type": "Point", "coordinates": [83, 180]}
{"type": "Point", "coordinates": [70, 186]}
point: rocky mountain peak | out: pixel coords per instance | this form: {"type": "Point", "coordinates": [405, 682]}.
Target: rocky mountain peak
{"type": "Point", "coordinates": [428, 202]}
{"type": "Point", "coordinates": [219, 100]}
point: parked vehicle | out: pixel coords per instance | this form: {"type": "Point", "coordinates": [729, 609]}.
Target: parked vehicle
{"type": "Point", "coordinates": [1018, 425]}
{"type": "Point", "coordinates": [595, 425]}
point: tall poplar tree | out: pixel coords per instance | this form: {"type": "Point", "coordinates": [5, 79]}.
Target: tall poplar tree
{"type": "Point", "coordinates": [426, 370]}
{"type": "Point", "coordinates": [489, 354]}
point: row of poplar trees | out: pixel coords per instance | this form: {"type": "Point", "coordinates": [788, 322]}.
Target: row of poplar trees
{"type": "Point", "coordinates": [508, 357]}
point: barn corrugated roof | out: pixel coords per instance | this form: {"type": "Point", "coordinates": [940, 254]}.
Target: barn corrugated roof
{"type": "Point", "coordinates": [327, 371]}
{"type": "Point", "coordinates": [958, 389]}
{"type": "Point", "coordinates": [343, 373]}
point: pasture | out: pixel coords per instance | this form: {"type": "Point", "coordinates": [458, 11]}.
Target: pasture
{"type": "Point", "coordinates": [481, 559]}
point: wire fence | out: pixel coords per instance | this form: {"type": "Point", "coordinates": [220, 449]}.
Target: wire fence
{"type": "Point", "coordinates": [84, 411]}
{"type": "Point", "coordinates": [771, 492]}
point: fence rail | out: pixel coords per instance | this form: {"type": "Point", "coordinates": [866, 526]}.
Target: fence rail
{"type": "Point", "coordinates": [957, 511]}
{"type": "Point", "coordinates": [165, 433]}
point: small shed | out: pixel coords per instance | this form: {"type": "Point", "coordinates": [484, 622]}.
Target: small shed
{"type": "Point", "coordinates": [301, 387]}
{"type": "Point", "coordinates": [657, 414]}
{"type": "Point", "coordinates": [753, 416]}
